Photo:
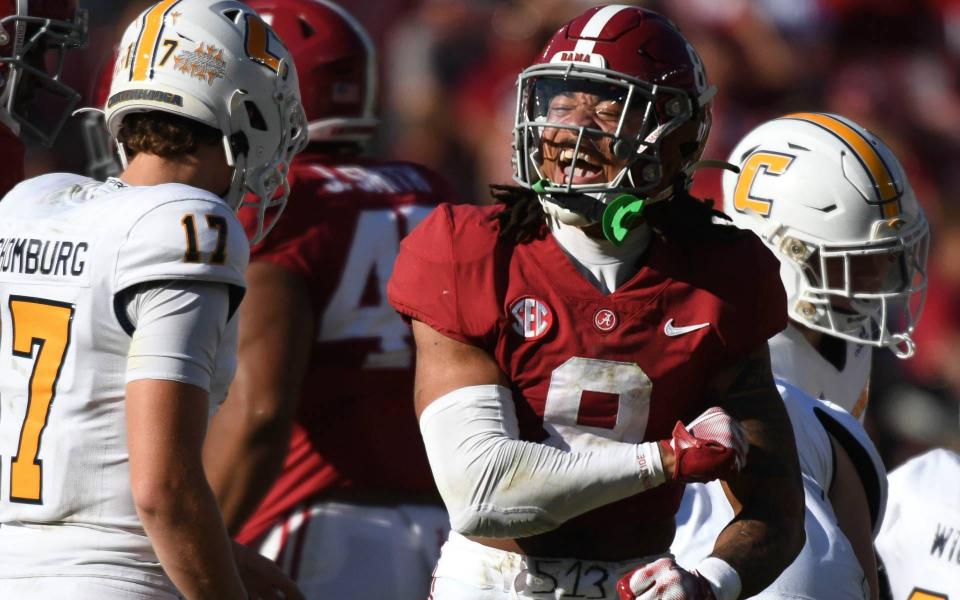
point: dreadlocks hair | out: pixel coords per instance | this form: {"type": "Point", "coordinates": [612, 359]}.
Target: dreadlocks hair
{"type": "Point", "coordinates": [682, 217]}
{"type": "Point", "coordinates": [523, 220]}
{"type": "Point", "coordinates": [685, 218]}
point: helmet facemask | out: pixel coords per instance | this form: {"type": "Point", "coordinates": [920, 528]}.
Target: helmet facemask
{"type": "Point", "coordinates": [869, 292]}
{"type": "Point", "coordinates": [34, 100]}
{"type": "Point", "coordinates": [632, 117]}
{"type": "Point", "coordinates": [263, 185]}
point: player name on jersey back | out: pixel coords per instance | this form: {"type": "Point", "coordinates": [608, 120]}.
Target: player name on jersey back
{"type": "Point", "coordinates": [49, 258]}
{"type": "Point", "coordinates": [946, 545]}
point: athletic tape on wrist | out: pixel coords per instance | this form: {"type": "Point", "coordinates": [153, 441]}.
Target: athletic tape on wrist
{"type": "Point", "coordinates": [723, 579]}
{"type": "Point", "coordinates": [651, 467]}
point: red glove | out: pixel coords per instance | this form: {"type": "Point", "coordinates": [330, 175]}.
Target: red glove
{"type": "Point", "coordinates": [712, 446]}
{"type": "Point", "coordinates": [663, 580]}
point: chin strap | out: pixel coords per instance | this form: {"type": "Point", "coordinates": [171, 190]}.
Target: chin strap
{"type": "Point", "coordinates": [714, 164]}
{"type": "Point", "coordinates": [617, 218]}
{"type": "Point", "coordinates": [582, 204]}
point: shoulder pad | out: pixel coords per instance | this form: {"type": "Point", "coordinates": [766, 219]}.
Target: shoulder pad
{"type": "Point", "coordinates": [935, 469]}
{"type": "Point", "coordinates": [40, 186]}
{"type": "Point", "coordinates": [851, 435]}
{"type": "Point", "coordinates": [195, 237]}
{"type": "Point", "coordinates": [813, 443]}
{"type": "Point", "coordinates": [445, 272]}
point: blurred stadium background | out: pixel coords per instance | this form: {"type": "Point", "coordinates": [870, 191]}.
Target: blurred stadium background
{"type": "Point", "coordinates": [447, 97]}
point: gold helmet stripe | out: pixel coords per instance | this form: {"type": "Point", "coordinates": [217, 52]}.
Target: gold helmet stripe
{"type": "Point", "coordinates": [258, 43]}
{"type": "Point", "coordinates": [146, 46]}
{"type": "Point", "coordinates": [883, 180]}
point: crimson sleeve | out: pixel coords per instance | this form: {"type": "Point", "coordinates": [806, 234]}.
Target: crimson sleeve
{"type": "Point", "coordinates": [423, 285]}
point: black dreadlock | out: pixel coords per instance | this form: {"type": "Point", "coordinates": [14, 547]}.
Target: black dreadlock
{"type": "Point", "coordinates": [683, 217]}
{"type": "Point", "coordinates": [523, 220]}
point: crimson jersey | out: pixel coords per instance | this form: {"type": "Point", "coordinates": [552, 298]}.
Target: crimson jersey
{"type": "Point", "coordinates": [624, 366]}
{"type": "Point", "coordinates": [355, 427]}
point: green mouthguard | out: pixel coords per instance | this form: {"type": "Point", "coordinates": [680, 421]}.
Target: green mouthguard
{"type": "Point", "coordinates": [620, 216]}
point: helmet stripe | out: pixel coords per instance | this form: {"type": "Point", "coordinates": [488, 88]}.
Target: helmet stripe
{"type": "Point", "coordinates": [881, 175]}
{"type": "Point", "coordinates": [257, 43]}
{"type": "Point", "coordinates": [595, 26]}
{"type": "Point", "coordinates": [146, 46]}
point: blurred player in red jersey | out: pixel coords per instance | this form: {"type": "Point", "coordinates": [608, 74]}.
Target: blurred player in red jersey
{"type": "Point", "coordinates": [29, 29]}
{"type": "Point", "coordinates": [324, 361]}
{"type": "Point", "coordinates": [563, 337]}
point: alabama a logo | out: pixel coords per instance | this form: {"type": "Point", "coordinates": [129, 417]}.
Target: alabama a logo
{"type": "Point", "coordinates": [605, 320]}
{"type": "Point", "coordinates": [532, 318]}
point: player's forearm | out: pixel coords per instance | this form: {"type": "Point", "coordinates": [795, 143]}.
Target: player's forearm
{"type": "Point", "coordinates": [242, 458]}
{"type": "Point", "coordinates": [759, 544]}
{"type": "Point", "coordinates": [767, 496]}
{"type": "Point", "coordinates": [767, 533]}
{"type": "Point", "coordinates": [184, 525]}
{"type": "Point", "coordinates": [495, 485]}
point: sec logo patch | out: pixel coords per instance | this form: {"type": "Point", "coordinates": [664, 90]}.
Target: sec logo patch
{"type": "Point", "coordinates": [532, 318]}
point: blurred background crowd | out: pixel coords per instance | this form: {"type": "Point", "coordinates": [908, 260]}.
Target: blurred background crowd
{"type": "Point", "coordinates": [448, 71]}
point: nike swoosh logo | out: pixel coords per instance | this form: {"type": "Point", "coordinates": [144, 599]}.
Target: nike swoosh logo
{"type": "Point", "coordinates": [672, 331]}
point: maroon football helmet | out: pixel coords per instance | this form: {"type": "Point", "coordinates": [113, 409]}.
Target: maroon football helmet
{"type": "Point", "coordinates": [335, 61]}
{"type": "Point", "coordinates": [32, 97]}
{"type": "Point", "coordinates": [648, 84]}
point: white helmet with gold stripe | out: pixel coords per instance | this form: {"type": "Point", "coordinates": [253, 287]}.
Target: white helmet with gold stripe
{"type": "Point", "coordinates": [218, 63]}
{"type": "Point", "coordinates": [834, 205]}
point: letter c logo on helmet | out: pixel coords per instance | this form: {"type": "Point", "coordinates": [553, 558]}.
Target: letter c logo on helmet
{"type": "Point", "coordinates": [760, 162]}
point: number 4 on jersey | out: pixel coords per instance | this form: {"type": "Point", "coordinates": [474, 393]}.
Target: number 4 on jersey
{"type": "Point", "coordinates": [375, 245]}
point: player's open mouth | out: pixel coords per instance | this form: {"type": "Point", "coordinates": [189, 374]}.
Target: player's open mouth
{"type": "Point", "coordinates": [585, 169]}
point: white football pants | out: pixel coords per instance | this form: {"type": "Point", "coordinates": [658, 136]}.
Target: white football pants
{"type": "Point", "coordinates": [359, 552]}
{"type": "Point", "coordinates": [471, 571]}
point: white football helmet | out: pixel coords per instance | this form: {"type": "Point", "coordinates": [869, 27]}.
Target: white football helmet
{"type": "Point", "coordinates": [834, 205]}
{"type": "Point", "coordinates": [220, 64]}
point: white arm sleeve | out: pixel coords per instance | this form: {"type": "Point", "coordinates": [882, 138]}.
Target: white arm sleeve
{"type": "Point", "coordinates": [179, 329]}
{"type": "Point", "coordinates": [495, 485]}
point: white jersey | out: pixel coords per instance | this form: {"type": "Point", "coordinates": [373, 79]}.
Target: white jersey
{"type": "Point", "coordinates": [68, 246]}
{"type": "Point", "coordinates": [793, 359]}
{"type": "Point", "coordinates": [920, 539]}
{"type": "Point", "coordinates": [826, 567]}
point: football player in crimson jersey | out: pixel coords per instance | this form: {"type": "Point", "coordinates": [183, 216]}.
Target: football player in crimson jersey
{"type": "Point", "coordinates": [28, 30]}
{"type": "Point", "coordinates": [833, 204]}
{"type": "Point", "coordinates": [563, 337]}
{"type": "Point", "coordinates": [324, 361]}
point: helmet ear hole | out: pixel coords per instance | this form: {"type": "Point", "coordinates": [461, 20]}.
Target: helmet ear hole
{"type": "Point", "coordinates": [255, 116]}
{"type": "Point", "coordinates": [305, 27]}
{"type": "Point", "coordinates": [233, 14]}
